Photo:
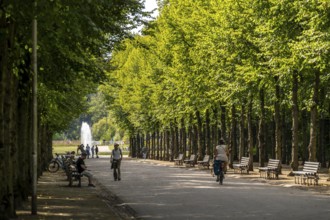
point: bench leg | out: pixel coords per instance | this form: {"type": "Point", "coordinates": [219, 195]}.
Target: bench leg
{"type": "Point", "coordinates": [70, 179]}
{"type": "Point", "coordinates": [79, 181]}
{"type": "Point", "coordinates": [304, 180]}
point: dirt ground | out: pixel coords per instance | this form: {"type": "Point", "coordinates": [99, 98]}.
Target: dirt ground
{"type": "Point", "coordinates": [56, 200]}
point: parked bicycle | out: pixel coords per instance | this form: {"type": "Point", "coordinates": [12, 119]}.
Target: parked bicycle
{"type": "Point", "coordinates": [55, 164]}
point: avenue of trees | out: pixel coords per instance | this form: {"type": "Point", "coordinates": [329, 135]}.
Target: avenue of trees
{"type": "Point", "coordinates": [255, 73]}
{"type": "Point", "coordinates": [75, 38]}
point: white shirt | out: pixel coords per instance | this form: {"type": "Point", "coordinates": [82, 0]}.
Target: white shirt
{"type": "Point", "coordinates": [222, 153]}
{"type": "Point", "coordinates": [116, 154]}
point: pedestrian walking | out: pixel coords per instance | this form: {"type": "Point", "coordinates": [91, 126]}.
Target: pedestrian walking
{"type": "Point", "coordinates": [97, 151]}
{"type": "Point", "coordinates": [81, 149]}
{"type": "Point", "coordinates": [88, 151]}
{"type": "Point", "coordinates": [144, 152]}
{"type": "Point", "coordinates": [93, 151]}
{"type": "Point", "coordinates": [115, 160]}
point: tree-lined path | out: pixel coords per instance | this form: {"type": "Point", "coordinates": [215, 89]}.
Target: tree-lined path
{"type": "Point", "coordinates": [156, 191]}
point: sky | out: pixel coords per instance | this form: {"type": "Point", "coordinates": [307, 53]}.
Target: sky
{"type": "Point", "coordinates": [150, 5]}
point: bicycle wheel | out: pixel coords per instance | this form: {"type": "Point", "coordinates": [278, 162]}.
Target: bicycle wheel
{"type": "Point", "coordinates": [53, 166]}
{"type": "Point", "coordinates": [221, 177]}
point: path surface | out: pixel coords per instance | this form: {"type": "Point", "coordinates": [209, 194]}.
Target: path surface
{"type": "Point", "coordinates": [159, 191]}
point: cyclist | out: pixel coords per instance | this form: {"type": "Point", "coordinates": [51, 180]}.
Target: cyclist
{"type": "Point", "coordinates": [220, 155]}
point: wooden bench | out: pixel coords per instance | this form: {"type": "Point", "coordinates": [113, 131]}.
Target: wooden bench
{"type": "Point", "coordinates": [273, 167]}
{"type": "Point", "coordinates": [308, 173]}
{"type": "Point", "coordinates": [178, 160]}
{"type": "Point", "coordinates": [74, 175]}
{"type": "Point", "coordinates": [243, 165]}
{"type": "Point", "coordinates": [205, 162]}
{"type": "Point", "coordinates": [190, 161]}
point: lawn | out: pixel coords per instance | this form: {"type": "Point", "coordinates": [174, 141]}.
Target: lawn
{"type": "Point", "coordinates": [63, 148]}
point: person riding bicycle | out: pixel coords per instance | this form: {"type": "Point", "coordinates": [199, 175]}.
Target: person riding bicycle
{"type": "Point", "coordinates": [220, 156]}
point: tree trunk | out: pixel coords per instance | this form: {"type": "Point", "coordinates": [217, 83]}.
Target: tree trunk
{"type": "Point", "coordinates": [223, 123]}
{"type": "Point", "coordinates": [314, 119]}
{"type": "Point", "coordinates": [215, 133]}
{"type": "Point", "coordinates": [233, 144]}
{"type": "Point", "coordinates": [190, 140]}
{"type": "Point", "coordinates": [183, 136]}
{"type": "Point", "coordinates": [158, 149]}
{"type": "Point", "coordinates": [208, 139]}
{"type": "Point", "coordinates": [261, 134]}
{"type": "Point", "coordinates": [199, 134]}
{"type": "Point", "coordinates": [167, 144]}
{"type": "Point", "coordinates": [241, 151]}
{"type": "Point", "coordinates": [295, 119]}
{"type": "Point", "coordinates": [277, 118]}
{"type": "Point", "coordinates": [250, 132]}
{"type": "Point", "coordinates": [9, 126]}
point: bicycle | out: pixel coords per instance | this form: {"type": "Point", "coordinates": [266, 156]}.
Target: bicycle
{"type": "Point", "coordinates": [219, 170]}
{"type": "Point", "coordinates": [55, 164]}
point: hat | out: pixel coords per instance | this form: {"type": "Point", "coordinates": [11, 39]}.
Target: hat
{"type": "Point", "coordinates": [116, 144]}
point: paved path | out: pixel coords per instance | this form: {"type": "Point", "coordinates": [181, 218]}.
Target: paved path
{"type": "Point", "coordinates": [156, 191]}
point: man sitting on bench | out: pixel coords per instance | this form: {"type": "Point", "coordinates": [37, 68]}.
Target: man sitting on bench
{"type": "Point", "coordinates": [82, 168]}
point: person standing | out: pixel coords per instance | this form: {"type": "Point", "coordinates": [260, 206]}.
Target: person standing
{"type": "Point", "coordinates": [93, 150]}
{"type": "Point", "coordinates": [97, 151]}
{"type": "Point", "coordinates": [88, 151]}
{"type": "Point", "coordinates": [115, 160]}
{"type": "Point", "coordinates": [144, 152]}
{"type": "Point", "coordinates": [81, 149]}
{"type": "Point", "coordinates": [82, 168]}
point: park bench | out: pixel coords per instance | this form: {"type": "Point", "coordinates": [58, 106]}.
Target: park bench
{"type": "Point", "coordinates": [178, 160]}
{"type": "Point", "coordinates": [74, 175]}
{"type": "Point", "coordinates": [308, 173]}
{"type": "Point", "coordinates": [273, 167]}
{"type": "Point", "coordinates": [205, 162]}
{"type": "Point", "coordinates": [243, 165]}
{"type": "Point", "coordinates": [190, 161]}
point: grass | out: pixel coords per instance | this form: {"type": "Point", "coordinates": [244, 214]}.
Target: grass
{"type": "Point", "coordinates": [62, 149]}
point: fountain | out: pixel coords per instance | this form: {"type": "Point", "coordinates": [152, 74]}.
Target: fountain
{"type": "Point", "coordinates": [86, 134]}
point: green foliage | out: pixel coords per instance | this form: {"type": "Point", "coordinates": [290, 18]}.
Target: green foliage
{"type": "Point", "coordinates": [74, 38]}
{"type": "Point", "coordinates": [197, 54]}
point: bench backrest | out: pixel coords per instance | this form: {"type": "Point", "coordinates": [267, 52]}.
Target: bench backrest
{"type": "Point", "coordinates": [312, 167]}
{"type": "Point", "coordinates": [245, 161]}
{"type": "Point", "coordinates": [206, 158]}
{"type": "Point", "coordinates": [272, 163]}
{"type": "Point", "coordinates": [192, 157]}
{"type": "Point", "coordinates": [180, 156]}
